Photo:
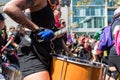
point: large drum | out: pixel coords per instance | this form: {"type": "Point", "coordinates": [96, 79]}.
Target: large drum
{"type": "Point", "coordinates": [66, 68]}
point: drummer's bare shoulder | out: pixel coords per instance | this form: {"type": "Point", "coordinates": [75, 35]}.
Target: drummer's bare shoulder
{"type": "Point", "coordinates": [24, 4]}
{"type": "Point", "coordinates": [14, 9]}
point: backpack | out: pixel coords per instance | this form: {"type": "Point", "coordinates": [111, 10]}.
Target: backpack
{"type": "Point", "coordinates": [106, 40]}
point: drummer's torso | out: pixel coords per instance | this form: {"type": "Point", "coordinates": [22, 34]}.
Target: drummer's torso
{"type": "Point", "coordinates": [38, 5]}
{"type": "Point", "coordinates": [42, 14]}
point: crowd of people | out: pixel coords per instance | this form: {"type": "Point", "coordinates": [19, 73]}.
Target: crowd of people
{"type": "Point", "coordinates": [33, 40]}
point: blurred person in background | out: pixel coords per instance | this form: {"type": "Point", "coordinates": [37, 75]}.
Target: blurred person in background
{"type": "Point", "coordinates": [11, 30]}
{"type": "Point", "coordinates": [60, 46]}
{"type": "Point", "coordinates": [3, 40]}
{"type": "Point", "coordinates": [3, 33]}
{"type": "Point", "coordinates": [57, 16]}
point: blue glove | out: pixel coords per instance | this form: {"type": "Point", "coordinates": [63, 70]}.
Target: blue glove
{"type": "Point", "coordinates": [46, 35]}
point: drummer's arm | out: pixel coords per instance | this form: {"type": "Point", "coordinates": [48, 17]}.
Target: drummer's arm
{"type": "Point", "coordinates": [66, 48]}
{"type": "Point", "coordinates": [14, 9]}
{"type": "Point", "coordinates": [98, 51]}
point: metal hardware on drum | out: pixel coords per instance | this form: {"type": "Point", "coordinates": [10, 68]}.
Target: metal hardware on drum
{"type": "Point", "coordinates": [63, 68]}
{"type": "Point", "coordinates": [51, 45]}
{"type": "Point", "coordinates": [65, 59]}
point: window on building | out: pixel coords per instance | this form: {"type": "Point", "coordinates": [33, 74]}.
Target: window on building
{"type": "Point", "coordinates": [102, 11]}
{"type": "Point", "coordinates": [99, 2]}
{"type": "Point", "coordinates": [110, 19]}
{"type": "Point", "coordinates": [89, 23]}
{"type": "Point", "coordinates": [82, 11]}
{"type": "Point", "coordinates": [110, 15]}
{"type": "Point", "coordinates": [99, 22]}
{"type": "Point", "coordinates": [92, 11]}
{"type": "Point", "coordinates": [77, 12]}
{"type": "Point", "coordinates": [97, 12]}
{"type": "Point", "coordinates": [111, 12]}
{"type": "Point", "coordinates": [111, 3]}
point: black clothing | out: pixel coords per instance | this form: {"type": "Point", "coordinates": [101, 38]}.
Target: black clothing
{"type": "Point", "coordinates": [1, 42]}
{"type": "Point", "coordinates": [113, 58]}
{"type": "Point", "coordinates": [1, 17]}
{"type": "Point", "coordinates": [44, 18]}
{"type": "Point", "coordinates": [115, 23]}
{"type": "Point", "coordinates": [58, 44]}
{"type": "Point", "coordinates": [36, 57]}
{"type": "Point", "coordinates": [65, 37]}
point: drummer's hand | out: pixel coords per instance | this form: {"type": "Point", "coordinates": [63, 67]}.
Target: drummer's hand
{"type": "Point", "coordinates": [58, 36]}
{"type": "Point", "coordinates": [70, 53]}
{"type": "Point", "coordinates": [46, 35]}
{"type": "Point", "coordinates": [98, 52]}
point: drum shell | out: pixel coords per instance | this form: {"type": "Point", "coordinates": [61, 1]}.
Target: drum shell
{"type": "Point", "coordinates": [64, 69]}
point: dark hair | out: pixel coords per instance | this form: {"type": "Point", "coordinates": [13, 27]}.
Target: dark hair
{"type": "Point", "coordinates": [1, 17]}
{"type": "Point", "coordinates": [62, 21]}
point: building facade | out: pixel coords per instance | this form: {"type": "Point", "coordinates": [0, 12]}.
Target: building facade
{"type": "Point", "coordinates": [92, 15]}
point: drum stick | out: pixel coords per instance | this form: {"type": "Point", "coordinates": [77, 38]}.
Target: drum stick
{"type": "Point", "coordinates": [57, 33]}
{"type": "Point", "coordinates": [61, 31]}
{"type": "Point", "coordinates": [10, 40]}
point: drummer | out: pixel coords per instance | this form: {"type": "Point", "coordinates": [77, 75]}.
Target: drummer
{"type": "Point", "coordinates": [38, 57]}
{"type": "Point", "coordinates": [60, 46]}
